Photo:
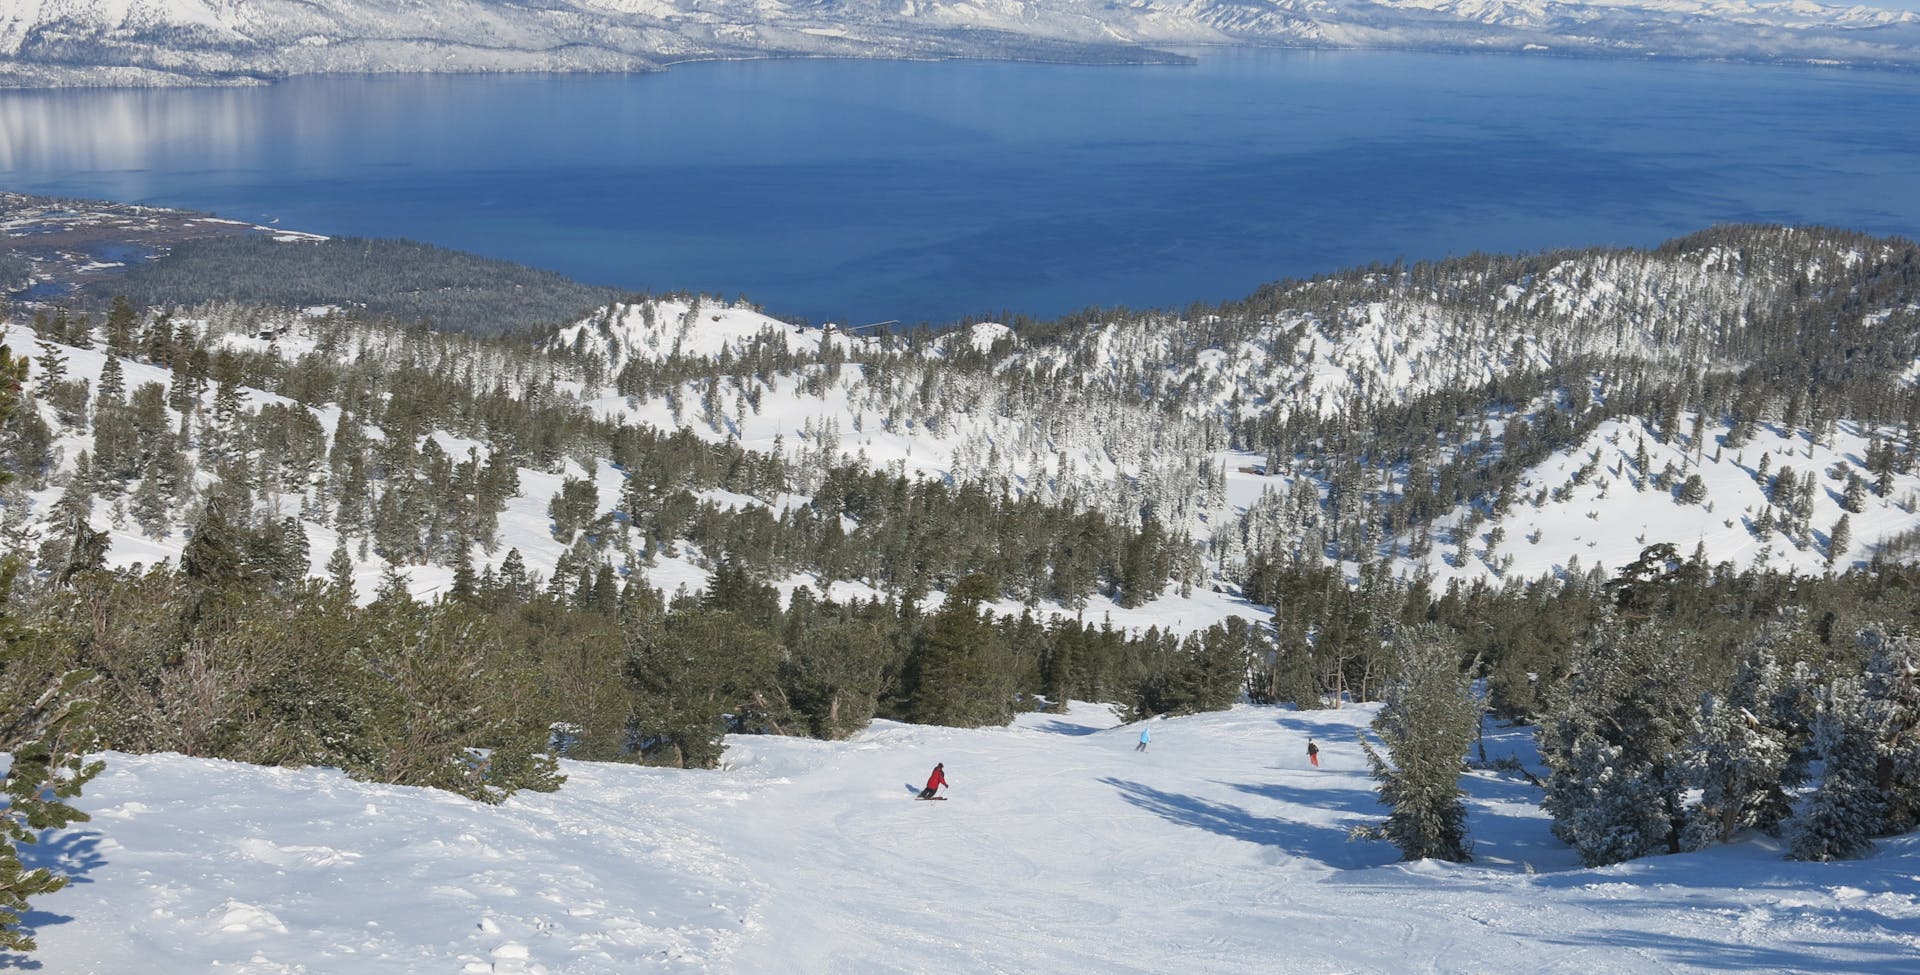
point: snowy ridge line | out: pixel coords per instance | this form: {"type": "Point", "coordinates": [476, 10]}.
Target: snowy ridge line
{"type": "Point", "coordinates": [154, 42]}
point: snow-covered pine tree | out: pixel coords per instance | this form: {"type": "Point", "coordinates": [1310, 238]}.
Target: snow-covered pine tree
{"type": "Point", "coordinates": [1426, 723]}
{"type": "Point", "coordinates": [1893, 708]}
{"type": "Point", "coordinates": [1616, 743]}
{"type": "Point", "coordinates": [1737, 762]}
{"type": "Point", "coordinates": [1745, 751]}
{"type": "Point", "coordinates": [1846, 811]}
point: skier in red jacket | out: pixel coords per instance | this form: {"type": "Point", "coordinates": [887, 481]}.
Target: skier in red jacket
{"type": "Point", "coordinates": [934, 781]}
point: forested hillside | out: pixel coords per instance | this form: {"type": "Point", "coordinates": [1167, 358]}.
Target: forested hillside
{"type": "Point", "coordinates": [323, 536]}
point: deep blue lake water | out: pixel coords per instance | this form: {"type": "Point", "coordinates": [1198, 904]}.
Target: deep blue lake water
{"type": "Point", "coordinates": [862, 190]}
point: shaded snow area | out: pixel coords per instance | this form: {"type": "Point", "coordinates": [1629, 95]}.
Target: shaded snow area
{"type": "Point", "coordinates": [1062, 850]}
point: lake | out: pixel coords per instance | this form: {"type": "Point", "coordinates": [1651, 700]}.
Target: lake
{"type": "Point", "coordinates": [869, 190]}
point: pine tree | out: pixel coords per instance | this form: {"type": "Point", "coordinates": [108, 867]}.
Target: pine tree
{"type": "Point", "coordinates": [1616, 742]}
{"type": "Point", "coordinates": [834, 672]}
{"type": "Point", "coordinates": [1607, 807]}
{"type": "Point", "coordinates": [1206, 672]}
{"type": "Point", "coordinates": [960, 674]}
{"type": "Point", "coordinates": [355, 498]}
{"type": "Point", "coordinates": [44, 723]}
{"type": "Point", "coordinates": [49, 738]}
{"type": "Point", "coordinates": [1426, 721]}
{"type": "Point", "coordinates": [515, 582]}
{"type": "Point", "coordinates": [1143, 564]}
{"type": "Point", "coordinates": [691, 672]}
{"type": "Point", "coordinates": [213, 556]}
{"type": "Point", "coordinates": [1693, 490]}
{"type": "Point", "coordinates": [465, 584]}
{"type": "Point", "coordinates": [572, 507]}
{"type": "Point", "coordinates": [74, 547]}
{"type": "Point", "coordinates": [150, 508]}
{"type": "Point", "coordinates": [121, 320]}
{"type": "Point", "coordinates": [50, 369]}
{"type": "Point", "coordinates": [1738, 763]}
{"type": "Point", "coordinates": [1057, 668]}
{"type": "Point", "coordinates": [1745, 752]}
{"type": "Point", "coordinates": [1893, 709]}
{"type": "Point", "coordinates": [1854, 499]}
{"type": "Point", "coordinates": [292, 551]}
{"type": "Point", "coordinates": [1846, 810]}
{"type": "Point", "coordinates": [340, 570]}
{"type": "Point", "coordinates": [112, 389]}
{"type": "Point", "coordinates": [1783, 492]}
{"type": "Point", "coordinates": [1839, 539]}
{"type": "Point", "coordinates": [443, 712]}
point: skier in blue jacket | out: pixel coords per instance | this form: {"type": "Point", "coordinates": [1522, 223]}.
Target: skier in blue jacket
{"type": "Point", "coordinates": [1145, 736]}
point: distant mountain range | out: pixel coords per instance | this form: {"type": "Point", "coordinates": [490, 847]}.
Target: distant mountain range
{"type": "Point", "coordinates": [176, 42]}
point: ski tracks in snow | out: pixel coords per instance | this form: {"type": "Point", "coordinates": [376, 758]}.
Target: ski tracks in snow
{"type": "Point", "coordinates": [308, 872]}
{"type": "Point", "coordinates": [1062, 850]}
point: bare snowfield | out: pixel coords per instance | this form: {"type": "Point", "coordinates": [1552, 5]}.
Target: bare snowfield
{"type": "Point", "coordinates": [1062, 850]}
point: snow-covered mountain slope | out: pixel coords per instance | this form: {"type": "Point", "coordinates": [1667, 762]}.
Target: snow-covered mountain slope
{"type": "Point", "coordinates": [1596, 506]}
{"type": "Point", "coordinates": [792, 413]}
{"type": "Point", "coordinates": [1490, 417]}
{"type": "Point", "coordinates": [693, 328]}
{"type": "Point", "coordinates": [1061, 849]}
{"type": "Point", "coordinates": [1337, 343]}
{"type": "Point", "coordinates": [131, 42]}
{"type": "Point", "coordinates": [908, 412]}
{"type": "Point", "coordinates": [1156, 412]}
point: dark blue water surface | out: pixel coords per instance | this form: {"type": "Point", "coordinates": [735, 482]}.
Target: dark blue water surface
{"type": "Point", "coordinates": [864, 190]}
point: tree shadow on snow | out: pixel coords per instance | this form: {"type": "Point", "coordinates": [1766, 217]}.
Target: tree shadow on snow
{"type": "Point", "coordinates": [1715, 954]}
{"type": "Point", "coordinates": [1058, 727]}
{"type": "Point", "coordinates": [1361, 801]}
{"type": "Point", "coordinates": [1325, 844]}
{"type": "Point", "coordinates": [72, 854]}
{"type": "Point", "coordinates": [1484, 787]}
{"type": "Point", "coordinates": [31, 921]}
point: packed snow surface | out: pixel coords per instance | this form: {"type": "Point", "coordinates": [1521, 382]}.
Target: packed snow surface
{"type": "Point", "coordinates": [1063, 850]}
